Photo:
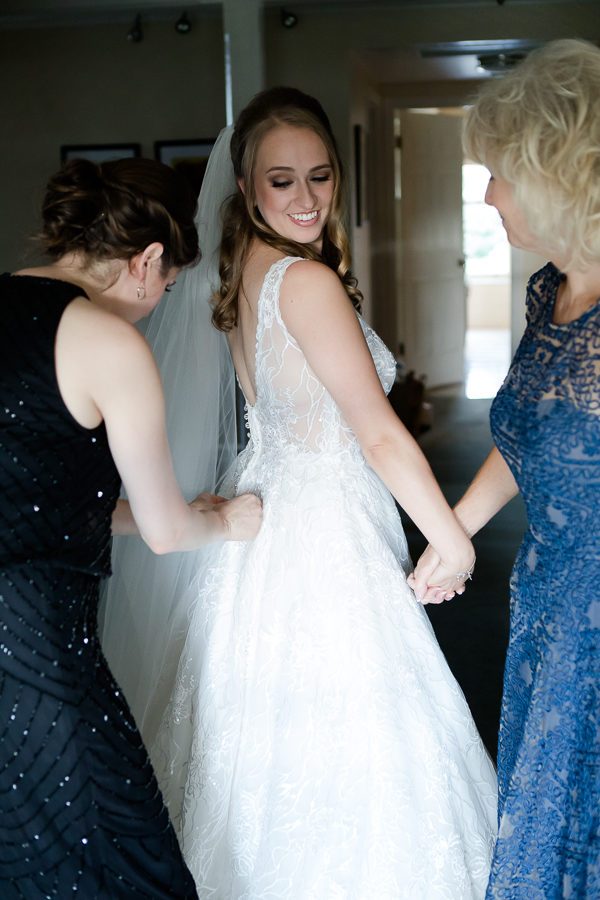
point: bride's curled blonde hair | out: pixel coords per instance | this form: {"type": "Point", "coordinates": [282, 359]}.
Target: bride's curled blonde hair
{"type": "Point", "coordinates": [242, 220]}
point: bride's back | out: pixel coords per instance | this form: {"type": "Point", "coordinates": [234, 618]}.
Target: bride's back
{"type": "Point", "coordinates": [287, 403]}
{"type": "Point", "coordinates": [242, 338]}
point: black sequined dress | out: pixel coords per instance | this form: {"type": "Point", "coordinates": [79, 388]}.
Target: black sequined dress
{"type": "Point", "coordinates": [80, 811]}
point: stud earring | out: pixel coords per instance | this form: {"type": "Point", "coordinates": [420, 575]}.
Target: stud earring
{"type": "Point", "coordinates": [141, 291]}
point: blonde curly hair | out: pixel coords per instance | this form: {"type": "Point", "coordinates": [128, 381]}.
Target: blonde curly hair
{"type": "Point", "coordinates": [538, 127]}
{"type": "Point", "coordinates": [242, 220]}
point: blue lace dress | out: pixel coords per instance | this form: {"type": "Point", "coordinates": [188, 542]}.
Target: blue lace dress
{"type": "Point", "coordinates": [546, 423]}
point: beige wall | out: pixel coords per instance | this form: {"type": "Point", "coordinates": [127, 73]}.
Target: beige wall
{"type": "Point", "coordinates": [90, 85]}
{"type": "Point", "coordinates": [86, 85]}
{"type": "Point", "coordinates": [488, 305]}
{"type": "Point", "coordinates": [328, 54]}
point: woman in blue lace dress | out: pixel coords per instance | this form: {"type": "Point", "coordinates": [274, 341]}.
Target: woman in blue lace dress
{"type": "Point", "coordinates": [538, 131]}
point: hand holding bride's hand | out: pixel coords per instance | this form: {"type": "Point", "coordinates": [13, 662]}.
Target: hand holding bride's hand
{"type": "Point", "coordinates": [434, 581]}
{"type": "Point", "coordinates": [419, 580]}
{"type": "Point", "coordinates": [205, 502]}
{"type": "Point", "coordinates": [241, 517]}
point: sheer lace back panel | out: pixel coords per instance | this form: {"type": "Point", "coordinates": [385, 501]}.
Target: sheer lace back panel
{"type": "Point", "coordinates": [292, 406]}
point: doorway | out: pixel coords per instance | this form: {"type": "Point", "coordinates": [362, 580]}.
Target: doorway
{"type": "Point", "coordinates": [488, 288]}
{"type": "Point", "coordinates": [454, 261]}
{"type": "Point", "coordinates": [429, 243]}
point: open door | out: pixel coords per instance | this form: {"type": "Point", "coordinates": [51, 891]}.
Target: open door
{"type": "Point", "coordinates": [432, 286]}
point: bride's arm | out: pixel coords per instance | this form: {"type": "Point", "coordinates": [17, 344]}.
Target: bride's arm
{"type": "Point", "coordinates": [318, 313]}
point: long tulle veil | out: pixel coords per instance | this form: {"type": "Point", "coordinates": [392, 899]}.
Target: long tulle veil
{"type": "Point", "coordinates": [142, 617]}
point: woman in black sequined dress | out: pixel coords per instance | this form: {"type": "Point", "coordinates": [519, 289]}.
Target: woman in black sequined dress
{"type": "Point", "coordinates": [82, 407]}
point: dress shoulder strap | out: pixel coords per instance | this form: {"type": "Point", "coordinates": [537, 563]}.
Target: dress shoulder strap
{"type": "Point", "coordinates": [268, 301]}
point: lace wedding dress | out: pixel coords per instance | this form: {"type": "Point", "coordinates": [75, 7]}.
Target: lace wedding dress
{"type": "Point", "coordinates": [316, 744]}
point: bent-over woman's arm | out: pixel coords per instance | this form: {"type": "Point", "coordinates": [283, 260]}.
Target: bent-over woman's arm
{"type": "Point", "coordinates": [106, 371]}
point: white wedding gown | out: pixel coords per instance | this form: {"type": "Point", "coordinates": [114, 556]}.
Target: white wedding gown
{"type": "Point", "coordinates": [316, 744]}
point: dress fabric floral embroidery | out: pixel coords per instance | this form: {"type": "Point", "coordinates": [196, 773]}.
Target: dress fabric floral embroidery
{"type": "Point", "coordinates": [316, 744]}
{"type": "Point", "coordinates": [546, 423]}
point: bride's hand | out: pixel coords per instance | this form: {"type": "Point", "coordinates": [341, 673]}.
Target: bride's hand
{"type": "Point", "coordinates": [433, 581]}
{"type": "Point", "coordinates": [241, 517]}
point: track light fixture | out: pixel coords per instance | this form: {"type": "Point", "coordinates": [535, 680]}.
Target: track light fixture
{"type": "Point", "coordinates": [288, 19]}
{"type": "Point", "coordinates": [183, 24]}
{"type": "Point", "coordinates": [135, 33]}
{"type": "Point", "coordinates": [499, 63]}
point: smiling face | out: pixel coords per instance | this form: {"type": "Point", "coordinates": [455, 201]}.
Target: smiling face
{"type": "Point", "coordinates": [293, 183]}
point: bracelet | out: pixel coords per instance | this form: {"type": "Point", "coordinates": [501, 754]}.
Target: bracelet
{"type": "Point", "coordinates": [468, 575]}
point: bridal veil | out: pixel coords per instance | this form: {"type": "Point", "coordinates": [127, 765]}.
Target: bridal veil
{"type": "Point", "coordinates": [142, 617]}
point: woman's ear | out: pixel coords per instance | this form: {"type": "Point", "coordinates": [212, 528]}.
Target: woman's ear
{"type": "Point", "coordinates": [139, 263]}
{"type": "Point", "coordinates": [242, 186]}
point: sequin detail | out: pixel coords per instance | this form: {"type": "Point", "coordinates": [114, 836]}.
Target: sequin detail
{"type": "Point", "coordinates": [80, 810]}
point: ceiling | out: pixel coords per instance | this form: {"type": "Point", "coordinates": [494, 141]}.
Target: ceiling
{"type": "Point", "coordinates": [40, 13]}
{"type": "Point", "coordinates": [427, 62]}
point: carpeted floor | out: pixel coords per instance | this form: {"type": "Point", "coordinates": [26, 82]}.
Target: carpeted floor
{"type": "Point", "coordinates": [473, 629]}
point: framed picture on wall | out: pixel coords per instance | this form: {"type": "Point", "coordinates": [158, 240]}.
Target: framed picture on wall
{"type": "Point", "coordinates": [190, 157]}
{"type": "Point", "coordinates": [98, 152]}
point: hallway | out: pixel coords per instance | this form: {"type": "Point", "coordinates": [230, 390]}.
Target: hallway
{"type": "Point", "coordinates": [473, 629]}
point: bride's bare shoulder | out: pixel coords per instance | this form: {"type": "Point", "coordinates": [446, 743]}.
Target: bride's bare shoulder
{"type": "Point", "coordinates": [259, 260]}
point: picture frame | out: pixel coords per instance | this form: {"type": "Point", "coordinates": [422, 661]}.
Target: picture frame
{"type": "Point", "coordinates": [99, 152]}
{"type": "Point", "coordinates": [189, 156]}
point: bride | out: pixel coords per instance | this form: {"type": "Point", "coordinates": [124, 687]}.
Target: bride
{"type": "Point", "coordinates": [315, 743]}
